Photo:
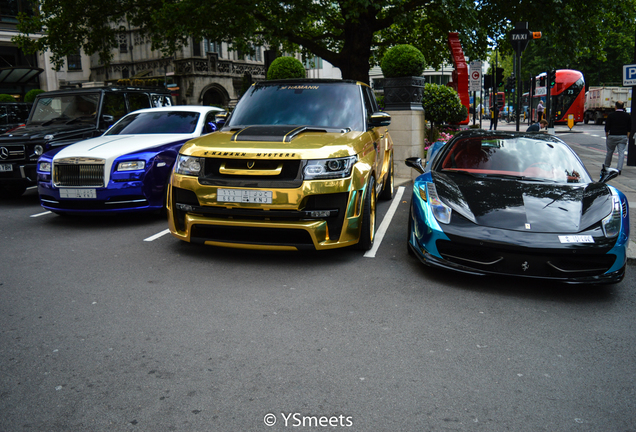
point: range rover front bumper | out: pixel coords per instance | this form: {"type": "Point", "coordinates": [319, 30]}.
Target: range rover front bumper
{"type": "Point", "coordinates": [319, 214]}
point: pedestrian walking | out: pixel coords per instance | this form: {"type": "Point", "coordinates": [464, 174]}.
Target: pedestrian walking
{"type": "Point", "coordinates": [617, 128]}
{"type": "Point", "coordinates": [494, 116]}
{"type": "Point", "coordinates": [540, 110]}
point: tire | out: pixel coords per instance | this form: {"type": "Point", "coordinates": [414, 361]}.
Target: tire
{"type": "Point", "coordinates": [408, 233]}
{"type": "Point", "coordinates": [387, 189]}
{"type": "Point", "coordinates": [12, 191]}
{"type": "Point", "coordinates": [367, 233]}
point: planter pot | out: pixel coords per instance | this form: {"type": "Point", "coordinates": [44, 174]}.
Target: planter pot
{"type": "Point", "coordinates": [403, 93]}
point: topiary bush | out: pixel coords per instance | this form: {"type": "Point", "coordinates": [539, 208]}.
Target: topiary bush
{"type": "Point", "coordinates": [286, 67]}
{"type": "Point", "coordinates": [403, 61]}
{"type": "Point", "coordinates": [31, 94]}
{"type": "Point", "coordinates": [6, 98]}
{"type": "Point", "coordinates": [441, 105]}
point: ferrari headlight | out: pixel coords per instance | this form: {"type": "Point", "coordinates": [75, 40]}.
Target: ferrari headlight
{"type": "Point", "coordinates": [440, 210]}
{"type": "Point", "coordinates": [612, 223]}
{"type": "Point", "coordinates": [329, 168]}
{"type": "Point", "coordinates": [44, 167]}
{"type": "Point", "coordinates": [131, 166]}
{"type": "Point", "coordinates": [188, 165]}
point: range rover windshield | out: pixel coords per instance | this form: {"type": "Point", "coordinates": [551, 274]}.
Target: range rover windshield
{"type": "Point", "coordinates": [330, 106]}
{"type": "Point", "coordinates": [65, 109]}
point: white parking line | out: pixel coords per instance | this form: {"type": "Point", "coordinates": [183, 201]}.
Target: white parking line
{"type": "Point", "coordinates": [41, 214]}
{"type": "Point", "coordinates": [379, 235]}
{"type": "Point", "coordinates": [156, 236]}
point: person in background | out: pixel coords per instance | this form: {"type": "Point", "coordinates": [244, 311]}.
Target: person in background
{"type": "Point", "coordinates": [494, 116]}
{"type": "Point", "coordinates": [617, 128]}
{"type": "Point", "coordinates": [536, 127]}
{"type": "Point", "coordinates": [540, 111]}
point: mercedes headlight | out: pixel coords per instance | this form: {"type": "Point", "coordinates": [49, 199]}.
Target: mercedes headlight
{"type": "Point", "coordinates": [188, 165]}
{"type": "Point", "coordinates": [329, 168]}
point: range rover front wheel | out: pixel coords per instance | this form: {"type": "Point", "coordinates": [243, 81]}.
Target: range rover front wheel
{"type": "Point", "coordinates": [367, 234]}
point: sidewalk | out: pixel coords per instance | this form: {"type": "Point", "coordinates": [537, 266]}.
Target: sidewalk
{"type": "Point", "coordinates": [593, 160]}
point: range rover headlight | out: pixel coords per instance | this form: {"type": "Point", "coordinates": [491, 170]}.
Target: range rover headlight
{"type": "Point", "coordinates": [131, 166]}
{"type": "Point", "coordinates": [188, 165]}
{"type": "Point", "coordinates": [612, 223]}
{"type": "Point", "coordinates": [329, 168]}
{"type": "Point", "coordinates": [44, 167]}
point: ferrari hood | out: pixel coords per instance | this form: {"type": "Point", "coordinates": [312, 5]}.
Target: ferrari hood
{"type": "Point", "coordinates": [525, 206]}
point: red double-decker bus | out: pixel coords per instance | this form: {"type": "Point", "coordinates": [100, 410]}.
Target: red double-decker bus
{"type": "Point", "coordinates": [567, 96]}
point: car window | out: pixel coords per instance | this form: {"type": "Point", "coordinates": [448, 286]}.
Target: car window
{"type": "Point", "coordinates": [332, 106]}
{"type": "Point", "coordinates": [160, 122]}
{"type": "Point", "coordinates": [114, 105]}
{"type": "Point", "coordinates": [520, 157]}
{"type": "Point", "coordinates": [138, 101]}
{"type": "Point", "coordinates": [65, 107]}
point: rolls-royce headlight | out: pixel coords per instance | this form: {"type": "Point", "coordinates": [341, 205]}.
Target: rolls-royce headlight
{"type": "Point", "coordinates": [44, 167]}
{"type": "Point", "coordinates": [131, 166]}
{"type": "Point", "coordinates": [612, 223]}
{"type": "Point", "coordinates": [329, 168]}
{"type": "Point", "coordinates": [188, 165]}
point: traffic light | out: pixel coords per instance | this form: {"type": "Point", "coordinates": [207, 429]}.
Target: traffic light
{"type": "Point", "coordinates": [487, 81]}
{"type": "Point", "coordinates": [542, 81]}
{"type": "Point", "coordinates": [552, 79]}
{"type": "Point", "coordinates": [499, 77]}
{"type": "Point", "coordinates": [512, 81]}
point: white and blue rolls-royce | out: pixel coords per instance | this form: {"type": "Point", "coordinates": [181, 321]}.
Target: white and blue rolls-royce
{"type": "Point", "coordinates": [127, 168]}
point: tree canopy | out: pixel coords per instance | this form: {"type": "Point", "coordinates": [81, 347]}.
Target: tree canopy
{"type": "Point", "coordinates": [350, 34]}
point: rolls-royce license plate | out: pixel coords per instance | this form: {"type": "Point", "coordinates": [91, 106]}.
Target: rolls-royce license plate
{"type": "Point", "coordinates": [244, 196]}
{"type": "Point", "coordinates": [78, 193]}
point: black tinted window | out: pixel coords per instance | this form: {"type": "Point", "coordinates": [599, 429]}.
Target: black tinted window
{"type": "Point", "coordinates": [138, 101]}
{"type": "Point", "coordinates": [164, 122]}
{"type": "Point", "coordinates": [307, 104]}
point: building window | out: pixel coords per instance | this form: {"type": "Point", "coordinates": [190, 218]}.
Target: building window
{"type": "Point", "coordinates": [123, 43]}
{"type": "Point", "coordinates": [9, 9]}
{"type": "Point", "coordinates": [74, 62]}
{"type": "Point", "coordinates": [213, 47]}
{"type": "Point", "coordinates": [196, 48]}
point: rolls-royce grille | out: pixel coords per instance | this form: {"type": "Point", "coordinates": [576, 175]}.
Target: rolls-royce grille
{"type": "Point", "coordinates": [79, 175]}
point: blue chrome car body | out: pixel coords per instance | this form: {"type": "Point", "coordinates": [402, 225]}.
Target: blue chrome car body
{"type": "Point", "coordinates": [148, 159]}
{"type": "Point", "coordinates": [529, 228]}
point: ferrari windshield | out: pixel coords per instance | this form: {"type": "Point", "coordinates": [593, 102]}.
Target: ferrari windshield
{"type": "Point", "coordinates": [321, 105]}
{"type": "Point", "coordinates": [159, 122]}
{"type": "Point", "coordinates": [514, 157]}
{"type": "Point", "coordinates": [65, 108]}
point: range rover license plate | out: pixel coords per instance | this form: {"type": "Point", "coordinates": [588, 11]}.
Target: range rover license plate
{"type": "Point", "coordinates": [6, 167]}
{"type": "Point", "coordinates": [78, 193]}
{"type": "Point", "coordinates": [244, 196]}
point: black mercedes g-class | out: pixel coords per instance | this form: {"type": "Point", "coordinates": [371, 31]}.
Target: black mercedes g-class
{"type": "Point", "coordinates": [64, 117]}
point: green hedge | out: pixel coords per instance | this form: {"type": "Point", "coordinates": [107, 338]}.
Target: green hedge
{"type": "Point", "coordinates": [31, 94]}
{"type": "Point", "coordinates": [402, 61]}
{"type": "Point", "coordinates": [285, 68]}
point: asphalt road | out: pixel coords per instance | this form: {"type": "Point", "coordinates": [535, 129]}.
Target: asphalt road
{"type": "Point", "coordinates": [101, 330]}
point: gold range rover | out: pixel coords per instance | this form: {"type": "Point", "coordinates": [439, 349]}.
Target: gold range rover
{"type": "Point", "coordinates": [299, 164]}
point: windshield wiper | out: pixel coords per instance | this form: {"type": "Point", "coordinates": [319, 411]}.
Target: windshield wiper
{"type": "Point", "coordinates": [48, 122]}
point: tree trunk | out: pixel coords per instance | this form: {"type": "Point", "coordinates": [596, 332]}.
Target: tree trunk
{"type": "Point", "coordinates": [353, 59]}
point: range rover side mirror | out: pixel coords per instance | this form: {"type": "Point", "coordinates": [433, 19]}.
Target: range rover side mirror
{"type": "Point", "coordinates": [380, 118]}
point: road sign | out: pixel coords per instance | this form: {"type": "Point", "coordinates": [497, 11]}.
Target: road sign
{"type": "Point", "coordinates": [629, 75]}
{"type": "Point", "coordinates": [475, 76]}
